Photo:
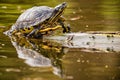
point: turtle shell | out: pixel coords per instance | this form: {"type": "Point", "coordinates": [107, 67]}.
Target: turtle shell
{"type": "Point", "coordinates": [32, 17]}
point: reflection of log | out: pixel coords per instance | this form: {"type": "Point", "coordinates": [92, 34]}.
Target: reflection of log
{"type": "Point", "coordinates": [82, 49]}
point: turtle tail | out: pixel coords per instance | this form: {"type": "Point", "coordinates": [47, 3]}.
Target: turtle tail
{"type": "Point", "coordinates": [8, 32]}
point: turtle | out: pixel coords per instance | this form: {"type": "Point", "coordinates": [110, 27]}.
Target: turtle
{"type": "Point", "coordinates": [38, 18]}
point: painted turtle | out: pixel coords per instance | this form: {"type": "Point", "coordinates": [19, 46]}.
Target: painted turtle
{"type": "Point", "coordinates": [39, 18]}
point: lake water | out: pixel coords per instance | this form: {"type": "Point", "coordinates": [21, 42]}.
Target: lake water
{"type": "Point", "coordinates": [22, 59]}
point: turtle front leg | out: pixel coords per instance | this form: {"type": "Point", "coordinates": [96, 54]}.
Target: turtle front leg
{"type": "Point", "coordinates": [65, 29]}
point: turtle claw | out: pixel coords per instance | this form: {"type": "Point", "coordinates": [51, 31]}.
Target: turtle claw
{"type": "Point", "coordinates": [68, 28]}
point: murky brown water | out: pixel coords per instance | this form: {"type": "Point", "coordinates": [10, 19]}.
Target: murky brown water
{"type": "Point", "coordinates": [22, 59]}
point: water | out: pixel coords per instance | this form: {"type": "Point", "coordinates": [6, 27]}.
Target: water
{"type": "Point", "coordinates": [22, 59]}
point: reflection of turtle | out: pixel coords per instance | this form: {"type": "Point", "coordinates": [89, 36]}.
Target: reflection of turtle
{"type": "Point", "coordinates": [40, 19]}
{"type": "Point", "coordinates": [39, 53]}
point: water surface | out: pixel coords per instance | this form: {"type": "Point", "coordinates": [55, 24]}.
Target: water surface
{"type": "Point", "coordinates": [22, 59]}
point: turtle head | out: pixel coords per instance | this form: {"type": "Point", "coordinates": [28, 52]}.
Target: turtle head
{"type": "Point", "coordinates": [57, 12]}
{"type": "Point", "coordinates": [60, 7]}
